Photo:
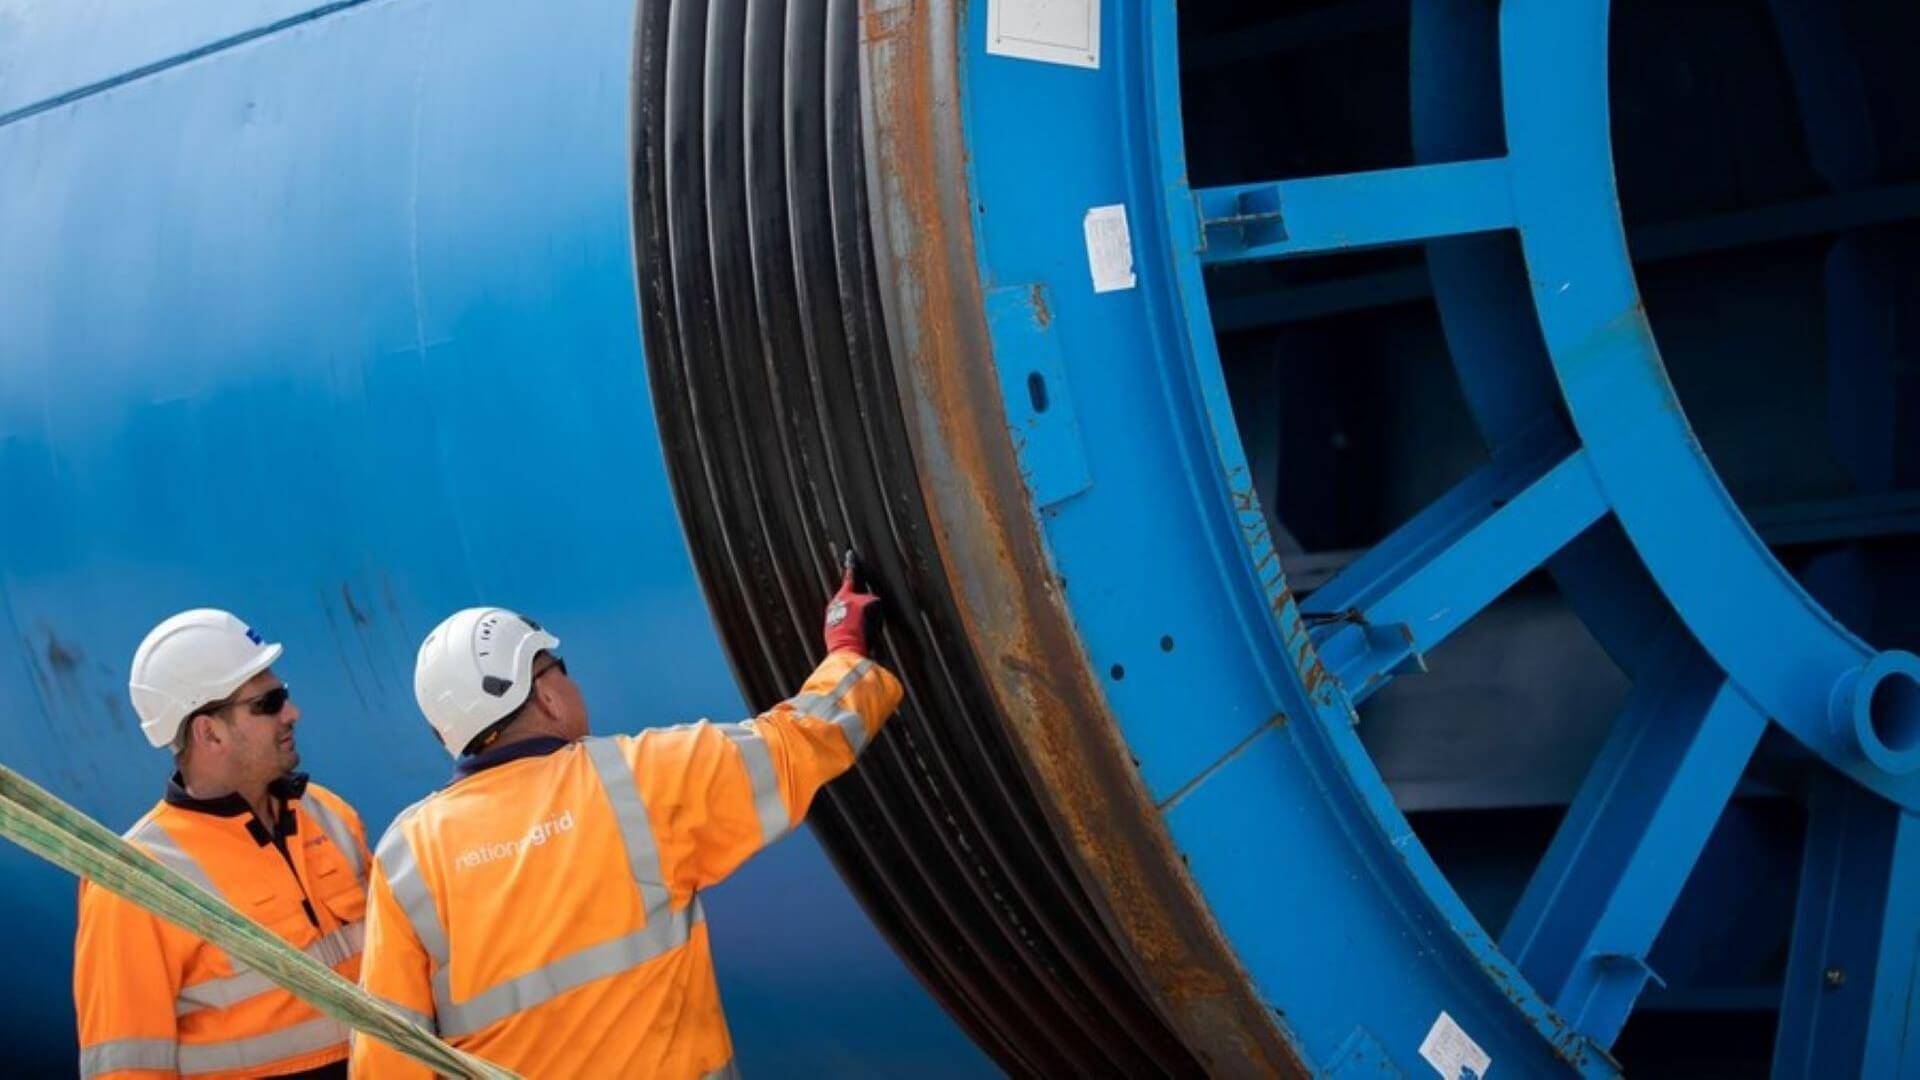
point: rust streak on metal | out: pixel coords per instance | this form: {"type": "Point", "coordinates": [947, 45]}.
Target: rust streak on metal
{"type": "Point", "coordinates": [1042, 314]}
{"type": "Point", "coordinates": [1259, 539]}
{"type": "Point", "coordinates": [1306, 658]}
{"type": "Point", "coordinates": [1014, 612]}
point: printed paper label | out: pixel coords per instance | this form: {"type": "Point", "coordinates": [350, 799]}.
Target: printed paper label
{"type": "Point", "coordinates": [1051, 31]}
{"type": "Point", "coordinates": [1109, 248]}
{"type": "Point", "coordinates": [1452, 1054]}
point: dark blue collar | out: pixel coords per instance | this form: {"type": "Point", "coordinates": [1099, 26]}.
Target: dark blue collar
{"type": "Point", "coordinates": [286, 789]}
{"type": "Point", "coordinates": [539, 746]}
{"type": "Point", "coordinates": [290, 786]}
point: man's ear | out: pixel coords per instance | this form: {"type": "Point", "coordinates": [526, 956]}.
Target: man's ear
{"type": "Point", "coordinates": [544, 693]}
{"type": "Point", "coordinates": [202, 731]}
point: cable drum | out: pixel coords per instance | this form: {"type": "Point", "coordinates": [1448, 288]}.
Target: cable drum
{"type": "Point", "coordinates": [782, 426]}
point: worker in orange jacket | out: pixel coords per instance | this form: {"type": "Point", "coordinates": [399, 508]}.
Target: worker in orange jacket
{"type": "Point", "coordinates": [542, 910]}
{"type": "Point", "coordinates": [157, 1001]}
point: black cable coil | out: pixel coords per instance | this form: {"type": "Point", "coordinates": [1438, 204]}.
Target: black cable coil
{"type": "Point", "coordinates": [767, 356]}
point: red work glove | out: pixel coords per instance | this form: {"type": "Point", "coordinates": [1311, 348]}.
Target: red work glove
{"type": "Point", "coordinates": [853, 617]}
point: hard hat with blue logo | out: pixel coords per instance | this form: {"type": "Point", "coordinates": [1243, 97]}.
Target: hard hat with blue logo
{"type": "Point", "coordinates": [189, 661]}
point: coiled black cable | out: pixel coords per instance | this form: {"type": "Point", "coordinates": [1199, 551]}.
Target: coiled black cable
{"type": "Point", "coordinates": [766, 350]}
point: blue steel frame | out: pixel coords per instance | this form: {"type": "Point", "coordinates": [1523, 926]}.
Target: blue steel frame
{"type": "Point", "coordinates": [1246, 739]}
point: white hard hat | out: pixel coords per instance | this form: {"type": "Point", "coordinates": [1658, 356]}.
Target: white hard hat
{"type": "Point", "coordinates": [475, 668]}
{"type": "Point", "coordinates": [191, 660]}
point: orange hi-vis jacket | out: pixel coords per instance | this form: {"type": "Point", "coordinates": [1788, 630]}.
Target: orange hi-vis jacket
{"type": "Point", "coordinates": [156, 1001]}
{"type": "Point", "coordinates": [542, 912]}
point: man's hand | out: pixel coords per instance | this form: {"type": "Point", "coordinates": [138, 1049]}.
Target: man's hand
{"type": "Point", "coordinates": [853, 616]}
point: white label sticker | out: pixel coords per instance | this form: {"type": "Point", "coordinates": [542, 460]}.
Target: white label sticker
{"type": "Point", "coordinates": [1051, 31]}
{"type": "Point", "coordinates": [1452, 1053]}
{"type": "Point", "coordinates": [1109, 248]}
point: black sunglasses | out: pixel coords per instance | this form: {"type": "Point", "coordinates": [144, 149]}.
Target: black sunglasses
{"type": "Point", "coordinates": [267, 704]}
{"type": "Point", "coordinates": [557, 663]}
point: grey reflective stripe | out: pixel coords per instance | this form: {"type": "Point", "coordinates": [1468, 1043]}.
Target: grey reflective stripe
{"type": "Point", "coordinates": [664, 932]}
{"type": "Point", "coordinates": [643, 856]}
{"type": "Point", "coordinates": [402, 869]}
{"type": "Point", "coordinates": [338, 831]}
{"type": "Point", "coordinates": [265, 1049]}
{"type": "Point", "coordinates": [729, 1071]}
{"type": "Point", "coordinates": [221, 993]}
{"type": "Point", "coordinates": [225, 993]}
{"type": "Point", "coordinates": [828, 707]}
{"type": "Point", "coordinates": [119, 1054]}
{"type": "Point", "coordinates": [336, 948]}
{"type": "Point", "coordinates": [161, 844]}
{"type": "Point", "coordinates": [768, 803]}
{"type": "Point", "coordinates": [420, 1019]}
